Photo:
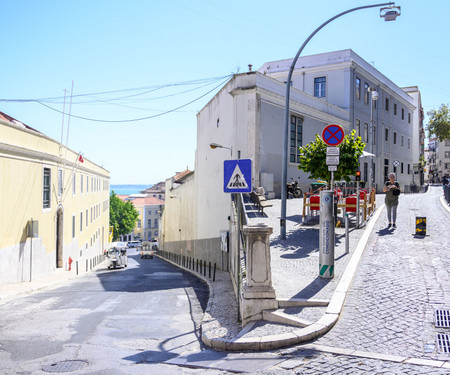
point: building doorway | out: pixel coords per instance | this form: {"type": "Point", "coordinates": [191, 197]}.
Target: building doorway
{"type": "Point", "coordinates": [59, 238]}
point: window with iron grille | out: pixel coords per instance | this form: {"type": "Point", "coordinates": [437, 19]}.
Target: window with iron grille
{"type": "Point", "coordinates": [46, 188]}
{"type": "Point", "coordinates": [296, 131]}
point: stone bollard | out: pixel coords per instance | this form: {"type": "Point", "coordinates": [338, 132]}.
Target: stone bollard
{"type": "Point", "coordinates": [258, 294]}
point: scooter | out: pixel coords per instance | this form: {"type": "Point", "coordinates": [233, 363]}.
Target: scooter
{"type": "Point", "coordinates": [293, 190]}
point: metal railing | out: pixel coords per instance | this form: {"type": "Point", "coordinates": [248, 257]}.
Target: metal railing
{"type": "Point", "coordinates": [447, 193]}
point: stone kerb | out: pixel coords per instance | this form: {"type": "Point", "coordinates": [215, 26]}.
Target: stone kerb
{"type": "Point", "coordinates": [258, 293]}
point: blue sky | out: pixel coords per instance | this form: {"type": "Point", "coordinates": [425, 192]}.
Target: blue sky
{"type": "Point", "coordinates": [138, 59]}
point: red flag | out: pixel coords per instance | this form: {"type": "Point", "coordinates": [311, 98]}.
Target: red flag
{"type": "Point", "coordinates": [80, 159]}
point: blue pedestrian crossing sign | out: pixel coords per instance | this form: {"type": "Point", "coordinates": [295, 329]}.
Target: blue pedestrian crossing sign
{"type": "Point", "coordinates": [237, 176]}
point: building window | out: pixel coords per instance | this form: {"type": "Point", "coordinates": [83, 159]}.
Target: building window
{"type": "Point", "coordinates": [46, 188]}
{"type": "Point", "coordinates": [409, 118]}
{"type": "Point", "coordinates": [409, 143]}
{"type": "Point", "coordinates": [81, 183]}
{"type": "Point", "coordinates": [402, 141]}
{"type": "Point", "coordinates": [296, 138]}
{"type": "Point", "coordinates": [74, 184]}
{"type": "Point", "coordinates": [139, 224]}
{"type": "Point", "coordinates": [156, 223]}
{"type": "Point", "coordinates": [60, 182]}
{"type": "Point", "coordinates": [358, 88]}
{"type": "Point", "coordinates": [81, 221]}
{"type": "Point", "coordinates": [73, 226]}
{"type": "Point", "coordinates": [358, 127]}
{"type": "Point", "coordinates": [403, 113]}
{"type": "Point", "coordinates": [447, 154]}
{"type": "Point", "coordinates": [374, 135]}
{"type": "Point", "coordinates": [365, 171]}
{"type": "Point", "coordinates": [366, 132]}
{"type": "Point", "coordinates": [149, 223]}
{"type": "Point", "coordinates": [386, 104]}
{"type": "Point", "coordinates": [401, 168]}
{"type": "Point", "coordinates": [386, 135]}
{"type": "Point", "coordinates": [87, 219]}
{"type": "Point", "coordinates": [366, 93]}
{"type": "Point", "coordinates": [409, 169]}
{"type": "Point", "coordinates": [320, 85]}
{"type": "Point", "coordinates": [386, 169]}
{"type": "Point", "coordinates": [395, 138]}
{"type": "Point", "coordinates": [87, 184]}
{"type": "Point", "coordinates": [447, 142]}
{"type": "Point", "coordinates": [395, 109]}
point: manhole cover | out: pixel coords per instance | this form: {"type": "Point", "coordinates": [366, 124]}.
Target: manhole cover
{"type": "Point", "coordinates": [443, 342]}
{"type": "Point", "coordinates": [442, 318]}
{"type": "Point", "coordinates": [65, 366]}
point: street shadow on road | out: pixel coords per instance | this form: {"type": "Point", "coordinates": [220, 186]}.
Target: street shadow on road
{"type": "Point", "coordinates": [151, 356]}
{"type": "Point", "coordinates": [152, 275]}
{"type": "Point", "coordinates": [299, 243]}
{"type": "Point", "coordinates": [313, 288]}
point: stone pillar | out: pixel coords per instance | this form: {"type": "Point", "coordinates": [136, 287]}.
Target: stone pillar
{"type": "Point", "coordinates": [258, 294]}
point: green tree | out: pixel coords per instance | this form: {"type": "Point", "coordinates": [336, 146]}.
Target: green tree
{"type": "Point", "coordinates": [439, 123]}
{"type": "Point", "coordinates": [313, 158]}
{"type": "Point", "coordinates": [122, 216]}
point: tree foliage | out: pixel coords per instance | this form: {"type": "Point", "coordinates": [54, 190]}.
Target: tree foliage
{"type": "Point", "coordinates": [122, 216]}
{"type": "Point", "coordinates": [313, 158]}
{"type": "Point", "coordinates": [439, 123]}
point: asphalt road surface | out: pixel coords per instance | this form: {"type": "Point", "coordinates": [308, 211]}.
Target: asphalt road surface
{"type": "Point", "coordinates": [119, 321]}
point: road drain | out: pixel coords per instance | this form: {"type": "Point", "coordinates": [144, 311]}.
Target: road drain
{"type": "Point", "coordinates": [443, 342]}
{"type": "Point", "coordinates": [65, 366]}
{"type": "Point", "coordinates": [442, 318]}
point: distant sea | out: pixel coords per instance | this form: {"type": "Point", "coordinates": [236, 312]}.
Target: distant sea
{"type": "Point", "coordinates": [128, 189]}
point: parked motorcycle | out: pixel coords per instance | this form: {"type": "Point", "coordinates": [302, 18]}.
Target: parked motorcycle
{"type": "Point", "coordinates": [293, 190]}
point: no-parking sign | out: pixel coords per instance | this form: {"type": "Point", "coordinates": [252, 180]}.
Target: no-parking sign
{"type": "Point", "coordinates": [333, 135]}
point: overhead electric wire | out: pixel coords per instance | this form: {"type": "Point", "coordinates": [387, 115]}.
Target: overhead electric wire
{"type": "Point", "coordinates": [58, 99]}
{"type": "Point", "coordinates": [136, 119]}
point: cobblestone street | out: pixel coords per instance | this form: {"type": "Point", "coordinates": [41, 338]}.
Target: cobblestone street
{"type": "Point", "coordinates": [401, 280]}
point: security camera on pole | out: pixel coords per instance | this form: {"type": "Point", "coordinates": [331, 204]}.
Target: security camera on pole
{"type": "Point", "coordinates": [332, 135]}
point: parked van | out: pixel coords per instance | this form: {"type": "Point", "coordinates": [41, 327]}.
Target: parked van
{"type": "Point", "coordinates": [134, 244]}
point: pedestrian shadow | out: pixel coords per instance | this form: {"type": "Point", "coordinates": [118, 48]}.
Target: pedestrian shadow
{"type": "Point", "coordinates": [385, 232]}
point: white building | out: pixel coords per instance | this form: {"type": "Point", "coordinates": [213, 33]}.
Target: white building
{"type": "Point", "coordinates": [246, 117]}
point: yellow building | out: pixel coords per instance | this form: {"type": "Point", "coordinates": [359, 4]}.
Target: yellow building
{"type": "Point", "coordinates": [54, 206]}
{"type": "Point", "coordinates": [148, 222]}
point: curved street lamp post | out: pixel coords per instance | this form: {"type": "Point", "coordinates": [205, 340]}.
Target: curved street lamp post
{"type": "Point", "coordinates": [389, 13]}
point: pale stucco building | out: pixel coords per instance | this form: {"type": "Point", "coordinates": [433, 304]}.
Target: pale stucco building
{"type": "Point", "coordinates": [54, 205]}
{"type": "Point", "coordinates": [246, 117]}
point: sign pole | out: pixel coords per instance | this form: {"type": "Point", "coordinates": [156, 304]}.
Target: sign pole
{"type": "Point", "coordinates": [326, 236]}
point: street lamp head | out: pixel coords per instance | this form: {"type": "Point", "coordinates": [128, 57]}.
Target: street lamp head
{"type": "Point", "coordinates": [374, 95]}
{"type": "Point", "coordinates": [390, 13]}
{"type": "Point", "coordinates": [214, 145]}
